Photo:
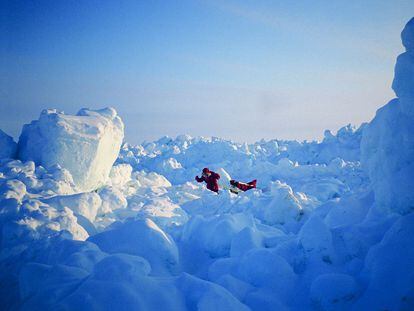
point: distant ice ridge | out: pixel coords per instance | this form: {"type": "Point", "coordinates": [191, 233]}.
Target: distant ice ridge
{"type": "Point", "coordinates": [86, 144]}
{"type": "Point", "coordinates": [180, 159]}
{"type": "Point", "coordinates": [388, 141]}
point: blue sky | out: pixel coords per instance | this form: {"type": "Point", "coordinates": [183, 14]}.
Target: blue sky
{"type": "Point", "coordinates": [243, 70]}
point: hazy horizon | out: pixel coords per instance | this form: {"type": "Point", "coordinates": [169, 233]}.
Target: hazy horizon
{"type": "Point", "coordinates": [238, 70]}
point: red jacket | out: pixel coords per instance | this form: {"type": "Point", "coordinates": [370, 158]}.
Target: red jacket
{"type": "Point", "coordinates": [211, 181]}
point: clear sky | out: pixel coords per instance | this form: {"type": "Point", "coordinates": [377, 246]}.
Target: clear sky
{"type": "Point", "coordinates": [243, 70]}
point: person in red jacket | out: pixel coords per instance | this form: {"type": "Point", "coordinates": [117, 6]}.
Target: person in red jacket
{"type": "Point", "coordinates": [210, 178]}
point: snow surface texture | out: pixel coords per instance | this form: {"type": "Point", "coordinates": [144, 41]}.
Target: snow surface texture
{"type": "Point", "coordinates": [388, 141]}
{"type": "Point", "coordinates": [86, 145]}
{"type": "Point", "coordinates": [315, 235]}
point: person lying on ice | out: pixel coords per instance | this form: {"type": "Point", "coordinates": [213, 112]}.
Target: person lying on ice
{"type": "Point", "coordinates": [211, 178]}
{"type": "Point", "coordinates": [237, 186]}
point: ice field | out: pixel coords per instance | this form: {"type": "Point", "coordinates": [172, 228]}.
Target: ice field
{"type": "Point", "coordinates": [90, 222]}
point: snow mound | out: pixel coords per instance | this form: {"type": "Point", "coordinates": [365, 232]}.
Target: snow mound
{"type": "Point", "coordinates": [214, 235]}
{"type": "Point", "coordinates": [263, 268]}
{"type": "Point", "coordinates": [86, 144]}
{"type": "Point", "coordinates": [284, 207]}
{"type": "Point", "coordinates": [333, 292]}
{"type": "Point", "coordinates": [116, 282]}
{"type": "Point", "coordinates": [141, 238]}
{"type": "Point", "coordinates": [390, 265]}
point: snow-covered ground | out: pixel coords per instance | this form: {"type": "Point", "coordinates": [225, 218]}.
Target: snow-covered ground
{"type": "Point", "coordinates": [88, 224]}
